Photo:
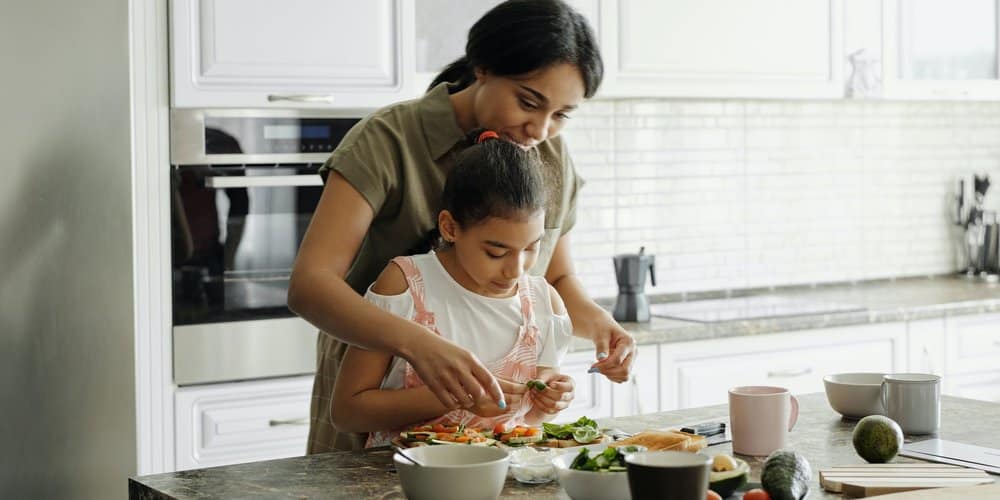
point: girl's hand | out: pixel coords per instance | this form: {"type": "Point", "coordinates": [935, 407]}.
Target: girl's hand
{"type": "Point", "coordinates": [513, 393]}
{"type": "Point", "coordinates": [615, 347]}
{"type": "Point", "coordinates": [456, 377]}
{"type": "Point", "coordinates": [557, 395]}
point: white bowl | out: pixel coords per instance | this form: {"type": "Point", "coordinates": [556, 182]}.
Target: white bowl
{"type": "Point", "coordinates": [855, 395]}
{"type": "Point", "coordinates": [453, 472]}
{"type": "Point", "coordinates": [587, 485]}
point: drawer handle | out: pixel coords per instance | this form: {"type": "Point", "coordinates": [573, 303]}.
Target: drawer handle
{"type": "Point", "coordinates": [300, 98]}
{"type": "Point", "coordinates": [291, 421]}
{"type": "Point", "coordinates": [789, 373]}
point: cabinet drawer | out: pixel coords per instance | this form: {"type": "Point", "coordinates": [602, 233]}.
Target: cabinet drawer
{"type": "Point", "coordinates": [242, 422]}
{"type": "Point", "coordinates": [592, 393]}
{"type": "Point", "coordinates": [701, 373]}
{"type": "Point", "coordinates": [973, 343]}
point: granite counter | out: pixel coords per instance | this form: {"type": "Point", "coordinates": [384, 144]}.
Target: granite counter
{"type": "Point", "coordinates": [820, 434]}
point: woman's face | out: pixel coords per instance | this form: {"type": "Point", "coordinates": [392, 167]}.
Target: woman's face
{"type": "Point", "coordinates": [530, 108]}
{"type": "Point", "coordinates": [493, 253]}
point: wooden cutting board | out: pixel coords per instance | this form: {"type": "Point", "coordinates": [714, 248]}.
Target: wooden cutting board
{"type": "Point", "coordinates": [865, 480]}
{"type": "Point", "coordinates": [959, 493]}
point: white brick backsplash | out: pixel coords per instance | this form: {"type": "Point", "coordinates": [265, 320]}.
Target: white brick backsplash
{"type": "Point", "coordinates": [743, 193]}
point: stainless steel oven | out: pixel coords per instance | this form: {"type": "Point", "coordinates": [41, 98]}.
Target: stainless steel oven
{"type": "Point", "coordinates": [244, 186]}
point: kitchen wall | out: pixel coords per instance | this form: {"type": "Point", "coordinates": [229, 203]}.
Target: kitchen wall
{"type": "Point", "coordinates": [736, 193]}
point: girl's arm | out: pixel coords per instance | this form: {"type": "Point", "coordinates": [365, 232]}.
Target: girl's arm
{"type": "Point", "coordinates": [318, 293]}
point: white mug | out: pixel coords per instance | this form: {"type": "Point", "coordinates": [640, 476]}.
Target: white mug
{"type": "Point", "coordinates": [913, 400]}
{"type": "Point", "coordinates": [760, 418]}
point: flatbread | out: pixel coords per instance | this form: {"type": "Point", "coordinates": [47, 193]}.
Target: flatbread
{"type": "Point", "coordinates": [665, 440]}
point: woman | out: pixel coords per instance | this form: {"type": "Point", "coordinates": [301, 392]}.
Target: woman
{"type": "Point", "coordinates": [528, 65]}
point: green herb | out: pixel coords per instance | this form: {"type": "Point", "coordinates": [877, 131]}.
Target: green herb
{"type": "Point", "coordinates": [536, 384]}
{"type": "Point", "coordinates": [610, 460]}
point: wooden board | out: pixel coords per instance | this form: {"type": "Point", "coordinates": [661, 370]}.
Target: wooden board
{"type": "Point", "coordinates": [960, 493]}
{"type": "Point", "coordinates": [864, 480]}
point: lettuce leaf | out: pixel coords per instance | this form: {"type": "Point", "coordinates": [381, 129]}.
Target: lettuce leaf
{"type": "Point", "coordinates": [582, 427]}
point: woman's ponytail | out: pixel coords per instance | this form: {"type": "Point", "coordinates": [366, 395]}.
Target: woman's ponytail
{"type": "Point", "coordinates": [458, 73]}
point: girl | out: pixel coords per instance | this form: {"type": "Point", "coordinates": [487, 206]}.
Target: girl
{"type": "Point", "coordinates": [474, 291]}
{"type": "Point", "coordinates": [528, 65]}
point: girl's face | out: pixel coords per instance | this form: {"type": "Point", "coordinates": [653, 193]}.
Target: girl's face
{"type": "Point", "coordinates": [491, 255]}
{"type": "Point", "coordinates": [528, 109]}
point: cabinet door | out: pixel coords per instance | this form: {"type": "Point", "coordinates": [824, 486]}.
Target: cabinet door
{"type": "Point", "coordinates": [925, 341]}
{"type": "Point", "coordinates": [242, 422]}
{"type": "Point", "coordinates": [724, 48]}
{"type": "Point", "coordinates": [973, 343]}
{"type": "Point", "coordinates": [641, 393]}
{"type": "Point", "coordinates": [941, 50]}
{"type": "Point", "coordinates": [592, 395]}
{"type": "Point", "coordinates": [701, 373]}
{"type": "Point", "coordinates": [983, 386]}
{"type": "Point", "coordinates": [261, 53]}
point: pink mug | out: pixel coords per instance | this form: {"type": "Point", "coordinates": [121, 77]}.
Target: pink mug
{"type": "Point", "coordinates": [760, 418]}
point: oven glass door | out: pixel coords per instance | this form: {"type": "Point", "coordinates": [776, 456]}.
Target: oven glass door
{"type": "Point", "coordinates": [235, 233]}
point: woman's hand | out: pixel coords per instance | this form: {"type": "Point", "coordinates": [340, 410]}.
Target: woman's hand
{"type": "Point", "coordinates": [512, 392]}
{"type": "Point", "coordinates": [615, 347]}
{"type": "Point", "coordinates": [557, 395]}
{"type": "Point", "coordinates": [456, 377]}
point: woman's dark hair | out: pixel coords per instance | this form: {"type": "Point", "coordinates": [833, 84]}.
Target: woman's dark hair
{"type": "Point", "coordinates": [491, 178]}
{"type": "Point", "coordinates": [521, 36]}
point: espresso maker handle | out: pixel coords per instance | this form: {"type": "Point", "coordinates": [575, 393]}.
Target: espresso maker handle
{"type": "Point", "coordinates": [652, 272]}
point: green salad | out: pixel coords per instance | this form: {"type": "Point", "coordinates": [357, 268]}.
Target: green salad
{"type": "Point", "coordinates": [610, 460]}
{"type": "Point", "coordinates": [584, 430]}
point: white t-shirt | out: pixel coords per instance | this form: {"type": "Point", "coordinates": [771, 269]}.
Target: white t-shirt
{"type": "Point", "coordinates": [486, 326]}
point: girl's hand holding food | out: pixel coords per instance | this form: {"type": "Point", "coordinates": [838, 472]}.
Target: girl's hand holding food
{"type": "Point", "coordinates": [556, 394]}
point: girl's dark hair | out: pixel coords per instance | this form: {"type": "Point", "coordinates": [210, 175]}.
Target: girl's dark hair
{"type": "Point", "coordinates": [520, 36]}
{"type": "Point", "coordinates": [494, 178]}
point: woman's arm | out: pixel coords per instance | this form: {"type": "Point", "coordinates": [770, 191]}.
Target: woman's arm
{"type": "Point", "coordinates": [319, 293]}
{"type": "Point", "coordinates": [615, 346]}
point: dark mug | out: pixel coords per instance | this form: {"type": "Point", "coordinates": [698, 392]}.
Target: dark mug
{"type": "Point", "coordinates": [668, 475]}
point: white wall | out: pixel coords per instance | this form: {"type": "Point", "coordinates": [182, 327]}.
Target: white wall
{"type": "Point", "coordinates": [738, 193]}
{"type": "Point", "coordinates": [67, 429]}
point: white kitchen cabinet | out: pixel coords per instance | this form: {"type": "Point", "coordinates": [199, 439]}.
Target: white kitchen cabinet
{"type": "Point", "coordinates": [701, 373]}
{"type": "Point", "coordinates": [274, 53]}
{"type": "Point", "coordinates": [940, 50]}
{"type": "Point", "coordinates": [925, 345]}
{"type": "Point", "coordinates": [983, 386]}
{"type": "Point", "coordinates": [641, 393]}
{"type": "Point", "coordinates": [723, 48]}
{"type": "Point", "coordinates": [225, 424]}
{"type": "Point", "coordinates": [592, 394]}
{"type": "Point", "coordinates": [973, 344]}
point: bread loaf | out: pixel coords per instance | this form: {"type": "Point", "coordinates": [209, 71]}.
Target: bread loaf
{"type": "Point", "coordinates": [665, 440]}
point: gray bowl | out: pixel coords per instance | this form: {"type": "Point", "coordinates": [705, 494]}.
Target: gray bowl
{"type": "Point", "coordinates": [855, 395]}
{"type": "Point", "coordinates": [453, 472]}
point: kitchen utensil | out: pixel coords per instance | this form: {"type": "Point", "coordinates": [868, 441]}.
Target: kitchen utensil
{"type": "Point", "coordinates": [760, 418]}
{"type": "Point", "coordinates": [406, 456]}
{"type": "Point", "coordinates": [956, 493]}
{"type": "Point", "coordinates": [855, 395]}
{"type": "Point", "coordinates": [630, 272]}
{"type": "Point", "coordinates": [913, 400]}
{"type": "Point", "coordinates": [667, 475]}
{"type": "Point", "coordinates": [452, 472]}
{"type": "Point", "coordinates": [865, 480]}
{"type": "Point", "coordinates": [951, 452]}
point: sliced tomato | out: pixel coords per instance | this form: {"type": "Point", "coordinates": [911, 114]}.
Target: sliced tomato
{"type": "Point", "coordinates": [519, 430]}
{"type": "Point", "coordinates": [438, 428]}
{"type": "Point", "coordinates": [499, 428]}
{"type": "Point", "coordinates": [463, 439]}
{"type": "Point", "coordinates": [531, 431]}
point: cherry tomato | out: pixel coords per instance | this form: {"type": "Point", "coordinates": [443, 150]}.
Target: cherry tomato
{"type": "Point", "coordinates": [756, 494]}
{"type": "Point", "coordinates": [438, 428]}
{"type": "Point", "coordinates": [713, 496]}
{"type": "Point", "coordinates": [499, 428]}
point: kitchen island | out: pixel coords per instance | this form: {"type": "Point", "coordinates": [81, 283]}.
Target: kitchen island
{"type": "Point", "coordinates": [820, 434]}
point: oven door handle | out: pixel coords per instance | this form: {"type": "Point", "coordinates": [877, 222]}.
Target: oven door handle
{"type": "Point", "coordinates": [223, 182]}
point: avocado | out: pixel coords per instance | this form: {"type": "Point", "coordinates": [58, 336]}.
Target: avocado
{"type": "Point", "coordinates": [728, 481]}
{"type": "Point", "coordinates": [786, 475]}
{"type": "Point", "coordinates": [877, 439]}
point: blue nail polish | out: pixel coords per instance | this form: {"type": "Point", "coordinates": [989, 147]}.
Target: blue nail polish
{"type": "Point", "coordinates": [502, 404]}
{"type": "Point", "coordinates": [602, 355]}
{"type": "Point", "coordinates": [593, 369]}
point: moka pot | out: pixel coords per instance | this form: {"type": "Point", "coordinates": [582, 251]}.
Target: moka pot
{"type": "Point", "coordinates": [630, 271]}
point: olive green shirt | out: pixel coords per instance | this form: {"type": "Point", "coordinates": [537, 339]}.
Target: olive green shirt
{"type": "Point", "coordinates": [398, 159]}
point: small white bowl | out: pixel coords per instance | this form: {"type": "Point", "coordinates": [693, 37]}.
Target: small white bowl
{"type": "Point", "coordinates": [855, 395]}
{"type": "Point", "coordinates": [587, 485]}
{"type": "Point", "coordinates": [453, 472]}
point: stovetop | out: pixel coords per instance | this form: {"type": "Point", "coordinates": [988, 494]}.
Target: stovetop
{"type": "Point", "coordinates": [743, 308]}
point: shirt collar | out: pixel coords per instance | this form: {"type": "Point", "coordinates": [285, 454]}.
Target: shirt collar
{"type": "Point", "coordinates": [438, 120]}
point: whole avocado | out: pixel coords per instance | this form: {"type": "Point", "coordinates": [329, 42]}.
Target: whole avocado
{"type": "Point", "coordinates": [786, 475]}
{"type": "Point", "coordinates": [877, 439]}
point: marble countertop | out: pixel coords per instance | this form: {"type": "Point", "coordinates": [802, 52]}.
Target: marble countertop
{"type": "Point", "coordinates": [879, 301]}
{"type": "Point", "coordinates": [820, 434]}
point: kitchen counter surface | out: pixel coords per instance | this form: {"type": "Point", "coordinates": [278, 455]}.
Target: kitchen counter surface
{"type": "Point", "coordinates": [820, 434]}
{"type": "Point", "coordinates": [879, 301]}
